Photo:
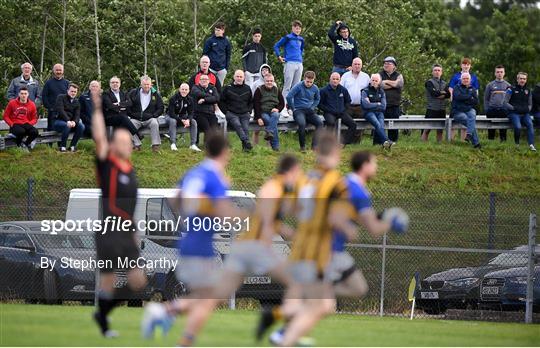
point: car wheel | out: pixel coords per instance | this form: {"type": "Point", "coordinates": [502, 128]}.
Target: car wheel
{"type": "Point", "coordinates": [434, 310]}
{"type": "Point", "coordinates": [134, 303]}
{"type": "Point", "coordinates": [50, 288]}
{"type": "Point", "coordinates": [157, 296]}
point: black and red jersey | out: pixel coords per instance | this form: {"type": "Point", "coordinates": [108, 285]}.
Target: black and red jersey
{"type": "Point", "coordinates": [118, 182]}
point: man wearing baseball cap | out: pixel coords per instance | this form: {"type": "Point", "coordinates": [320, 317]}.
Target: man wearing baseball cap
{"type": "Point", "coordinates": [392, 82]}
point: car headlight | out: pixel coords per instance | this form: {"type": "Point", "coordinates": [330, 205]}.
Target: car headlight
{"type": "Point", "coordinates": [463, 283]}
{"type": "Point", "coordinates": [519, 280]}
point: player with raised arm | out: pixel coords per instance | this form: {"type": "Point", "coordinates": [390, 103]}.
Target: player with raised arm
{"type": "Point", "coordinates": [118, 182]}
{"type": "Point", "coordinates": [348, 280]}
{"type": "Point", "coordinates": [202, 197]}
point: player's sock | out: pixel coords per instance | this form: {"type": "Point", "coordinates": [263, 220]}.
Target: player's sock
{"type": "Point", "coordinates": [106, 303]}
{"type": "Point", "coordinates": [269, 315]}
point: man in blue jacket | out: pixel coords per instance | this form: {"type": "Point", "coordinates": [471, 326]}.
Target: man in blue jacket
{"type": "Point", "coordinates": [345, 47]}
{"type": "Point", "coordinates": [218, 49]}
{"type": "Point", "coordinates": [293, 50]}
{"type": "Point", "coordinates": [335, 100]}
{"type": "Point", "coordinates": [53, 87]}
{"type": "Point", "coordinates": [464, 99]}
{"type": "Point", "coordinates": [302, 100]}
{"type": "Point", "coordinates": [373, 106]}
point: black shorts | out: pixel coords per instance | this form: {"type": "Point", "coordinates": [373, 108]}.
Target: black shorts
{"type": "Point", "coordinates": [435, 113]}
{"type": "Point", "coordinates": [114, 249]}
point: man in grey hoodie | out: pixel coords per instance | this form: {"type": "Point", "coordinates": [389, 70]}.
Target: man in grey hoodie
{"type": "Point", "coordinates": [494, 100]}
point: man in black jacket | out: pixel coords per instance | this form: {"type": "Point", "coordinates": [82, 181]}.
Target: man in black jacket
{"type": "Point", "coordinates": [253, 57]}
{"type": "Point", "coordinates": [237, 103]}
{"type": "Point", "coordinates": [85, 100]}
{"type": "Point", "coordinates": [204, 97]}
{"type": "Point", "coordinates": [519, 102]}
{"type": "Point", "coordinates": [180, 111]}
{"type": "Point", "coordinates": [146, 107]}
{"type": "Point", "coordinates": [115, 106]}
{"type": "Point", "coordinates": [68, 118]}
{"type": "Point", "coordinates": [536, 104]}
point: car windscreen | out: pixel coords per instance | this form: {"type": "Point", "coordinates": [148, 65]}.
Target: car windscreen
{"type": "Point", "coordinates": [65, 241]}
{"type": "Point", "coordinates": [509, 260]}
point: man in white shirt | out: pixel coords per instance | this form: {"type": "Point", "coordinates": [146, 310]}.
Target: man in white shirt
{"type": "Point", "coordinates": [355, 81]}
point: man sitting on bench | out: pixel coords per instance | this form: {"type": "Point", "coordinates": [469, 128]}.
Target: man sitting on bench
{"type": "Point", "coordinates": [21, 116]}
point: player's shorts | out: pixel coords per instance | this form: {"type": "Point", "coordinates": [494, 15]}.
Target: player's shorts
{"type": "Point", "coordinates": [305, 272]}
{"type": "Point", "coordinates": [198, 272]}
{"type": "Point", "coordinates": [340, 268]}
{"type": "Point", "coordinates": [115, 248]}
{"type": "Point", "coordinates": [251, 258]}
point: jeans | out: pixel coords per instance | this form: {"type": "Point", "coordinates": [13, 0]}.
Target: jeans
{"type": "Point", "coordinates": [61, 127]}
{"type": "Point", "coordinates": [173, 125]}
{"type": "Point", "coordinates": [331, 120]}
{"type": "Point", "coordinates": [376, 119]}
{"type": "Point", "coordinates": [51, 117]}
{"type": "Point", "coordinates": [302, 117]}
{"type": "Point", "coordinates": [537, 119]}
{"type": "Point", "coordinates": [468, 119]}
{"type": "Point", "coordinates": [339, 70]}
{"type": "Point", "coordinates": [517, 121]}
{"type": "Point", "coordinates": [392, 112]}
{"type": "Point", "coordinates": [205, 123]}
{"type": "Point", "coordinates": [153, 125]}
{"type": "Point", "coordinates": [240, 124]}
{"type": "Point", "coordinates": [292, 73]}
{"type": "Point", "coordinates": [22, 130]}
{"type": "Point", "coordinates": [271, 122]}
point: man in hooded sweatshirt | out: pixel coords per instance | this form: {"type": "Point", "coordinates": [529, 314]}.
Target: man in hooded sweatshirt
{"type": "Point", "coordinates": [345, 47]}
{"type": "Point", "coordinates": [253, 58]}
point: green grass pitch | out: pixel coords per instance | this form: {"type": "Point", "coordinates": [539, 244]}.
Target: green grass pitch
{"type": "Point", "coordinates": [39, 325]}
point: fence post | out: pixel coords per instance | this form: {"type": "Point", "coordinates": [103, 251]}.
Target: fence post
{"type": "Point", "coordinates": [530, 273]}
{"type": "Point", "coordinates": [232, 299]}
{"type": "Point", "coordinates": [29, 198]}
{"type": "Point", "coordinates": [383, 271]}
{"type": "Point", "coordinates": [448, 126]}
{"type": "Point", "coordinates": [491, 220]}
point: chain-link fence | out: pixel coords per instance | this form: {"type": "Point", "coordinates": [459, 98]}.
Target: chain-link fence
{"type": "Point", "coordinates": [463, 254]}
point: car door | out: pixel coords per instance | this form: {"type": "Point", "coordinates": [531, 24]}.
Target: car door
{"type": "Point", "coordinates": [20, 264]}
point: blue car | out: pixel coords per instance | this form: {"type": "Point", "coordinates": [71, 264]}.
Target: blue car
{"type": "Point", "coordinates": [507, 289]}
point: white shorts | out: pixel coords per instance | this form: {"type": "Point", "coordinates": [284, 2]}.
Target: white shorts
{"type": "Point", "coordinates": [340, 267]}
{"type": "Point", "coordinates": [304, 272]}
{"type": "Point", "coordinates": [198, 272]}
{"type": "Point", "coordinates": [251, 257]}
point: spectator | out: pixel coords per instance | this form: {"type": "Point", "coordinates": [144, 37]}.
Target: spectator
{"type": "Point", "coordinates": [392, 82]}
{"type": "Point", "coordinates": [146, 106]}
{"type": "Point", "coordinates": [437, 94]}
{"type": "Point", "coordinates": [519, 103]}
{"type": "Point", "coordinates": [263, 71]}
{"type": "Point", "coordinates": [204, 97]}
{"type": "Point", "coordinates": [237, 104]}
{"type": "Point", "coordinates": [374, 104]}
{"type": "Point", "coordinates": [267, 102]}
{"type": "Point", "coordinates": [218, 48]}
{"type": "Point", "coordinates": [293, 48]}
{"type": "Point", "coordinates": [345, 47]}
{"type": "Point", "coordinates": [180, 111]}
{"type": "Point", "coordinates": [253, 58]}
{"type": "Point", "coordinates": [87, 107]}
{"type": "Point", "coordinates": [536, 104]}
{"type": "Point", "coordinates": [21, 116]}
{"type": "Point", "coordinates": [464, 100]}
{"type": "Point", "coordinates": [68, 118]}
{"type": "Point", "coordinates": [334, 103]}
{"type": "Point", "coordinates": [355, 81]}
{"type": "Point", "coordinates": [302, 99]}
{"type": "Point", "coordinates": [115, 107]}
{"type": "Point", "coordinates": [466, 64]}
{"type": "Point", "coordinates": [53, 87]}
{"type": "Point", "coordinates": [25, 80]}
{"type": "Point", "coordinates": [494, 100]}
{"type": "Point", "coordinates": [204, 69]}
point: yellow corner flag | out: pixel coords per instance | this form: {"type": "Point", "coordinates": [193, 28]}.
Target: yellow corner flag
{"type": "Point", "coordinates": [412, 286]}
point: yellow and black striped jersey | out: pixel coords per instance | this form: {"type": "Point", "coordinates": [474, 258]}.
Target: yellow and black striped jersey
{"type": "Point", "coordinates": [323, 190]}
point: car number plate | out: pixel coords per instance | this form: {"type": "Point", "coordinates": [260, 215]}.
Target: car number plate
{"type": "Point", "coordinates": [429, 295]}
{"type": "Point", "coordinates": [490, 290]}
{"type": "Point", "coordinates": [257, 280]}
